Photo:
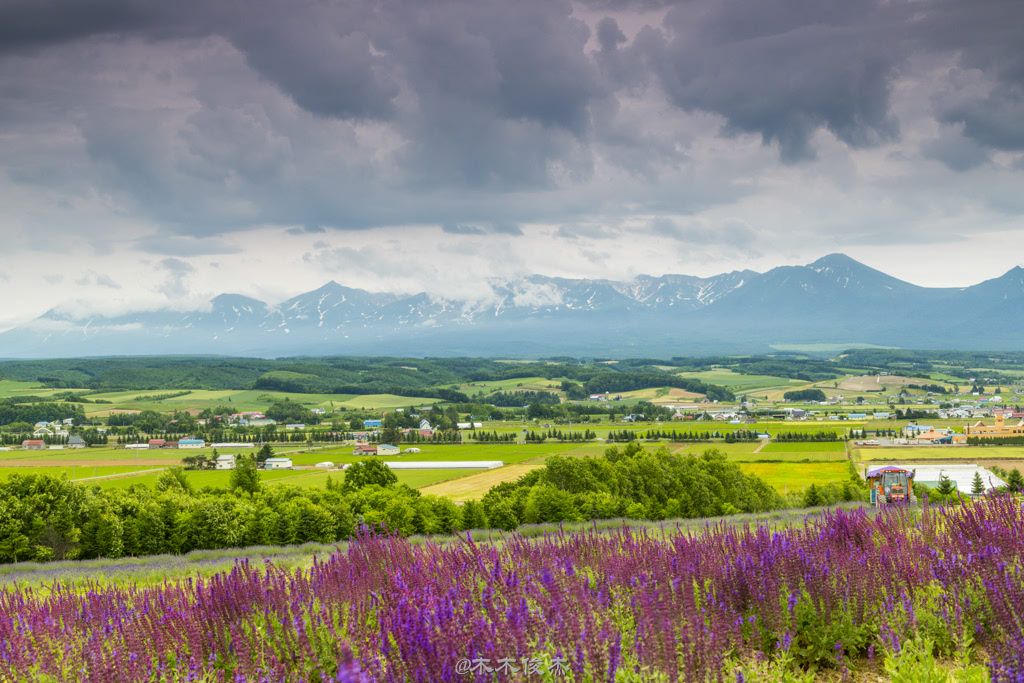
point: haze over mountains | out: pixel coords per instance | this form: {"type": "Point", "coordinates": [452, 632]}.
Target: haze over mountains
{"type": "Point", "coordinates": [835, 300]}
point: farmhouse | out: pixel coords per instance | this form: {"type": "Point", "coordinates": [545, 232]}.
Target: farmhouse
{"type": "Point", "coordinates": [319, 411]}
{"type": "Point", "coordinates": [277, 464]}
{"type": "Point", "coordinates": [76, 442]}
{"type": "Point", "coordinates": [364, 449]}
{"type": "Point", "coordinates": [224, 462]}
{"type": "Point", "coordinates": [387, 449]}
{"type": "Point", "coordinates": [33, 445]}
{"type": "Point", "coordinates": [156, 443]}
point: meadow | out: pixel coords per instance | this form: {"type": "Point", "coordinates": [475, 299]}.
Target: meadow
{"type": "Point", "coordinates": [851, 595]}
{"type": "Point", "coordinates": [794, 477]}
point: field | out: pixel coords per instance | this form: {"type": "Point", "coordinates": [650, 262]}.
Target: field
{"type": "Point", "coordinates": [805, 447]}
{"type": "Point", "coordinates": [474, 486]}
{"type": "Point", "coordinates": [432, 608]}
{"type": "Point", "coordinates": [743, 384]}
{"type": "Point", "coordinates": [970, 454]}
{"type": "Point", "coordinates": [794, 477]}
{"type": "Point", "coordinates": [239, 401]}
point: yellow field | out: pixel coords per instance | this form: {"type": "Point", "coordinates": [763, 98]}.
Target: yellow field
{"type": "Point", "coordinates": [475, 486]}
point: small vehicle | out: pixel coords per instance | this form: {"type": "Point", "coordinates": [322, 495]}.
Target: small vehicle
{"type": "Point", "coordinates": [891, 484]}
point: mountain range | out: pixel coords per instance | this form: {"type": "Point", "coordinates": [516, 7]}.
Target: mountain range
{"type": "Point", "coordinates": [833, 301]}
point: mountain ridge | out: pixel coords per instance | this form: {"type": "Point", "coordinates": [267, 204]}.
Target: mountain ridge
{"type": "Point", "coordinates": [834, 299]}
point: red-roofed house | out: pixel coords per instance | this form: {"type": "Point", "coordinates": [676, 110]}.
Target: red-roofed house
{"type": "Point", "coordinates": [33, 445]}
{"type": "Point", "coordinates": [156, 443]}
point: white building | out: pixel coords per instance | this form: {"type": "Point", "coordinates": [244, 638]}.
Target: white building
{"type": "Point", "coordinates": [387, 449]}
{"type": "Point", "coordinates": [224, 462]}
{"type": "Point", "coordinates": [278, 464]}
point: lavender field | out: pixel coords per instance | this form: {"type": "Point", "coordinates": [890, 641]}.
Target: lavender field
{"type": "Point", "coordinates": [851, 592]}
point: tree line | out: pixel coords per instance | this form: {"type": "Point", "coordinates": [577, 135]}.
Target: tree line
{"type": "Point", "coordinates": [43, 517]}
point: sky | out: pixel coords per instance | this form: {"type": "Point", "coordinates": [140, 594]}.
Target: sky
{"type": "Point", "coordinates": [156, 154]}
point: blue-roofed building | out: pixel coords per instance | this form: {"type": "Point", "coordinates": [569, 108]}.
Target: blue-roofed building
{"type": "Point", "coordinates": [191, 443]}
{"type": "Point", "coordinates": [371, 423]}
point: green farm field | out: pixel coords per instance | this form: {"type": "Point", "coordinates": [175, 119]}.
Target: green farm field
{"type": "Point", "coordinates": [740, 383]}
{"type": "Point", "coordinates": [241, 401]}
{"type": "Point", "coordinates": [805, 446]}
{"type": "Point", "coordinates": [516, 384]}
{"type": "Point", "coordinates": [793, 477]}
{"type": "Point", "coordinates": [9, 388]}
{"type": "Point", "coordinates": [219, 479]}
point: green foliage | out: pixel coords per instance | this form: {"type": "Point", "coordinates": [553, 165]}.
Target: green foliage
{"type": "Point", "coordinates": [946, 486]}
{"type": "Point", "coordinates": [977, 485]}
{"type": "Point", "coordinates": [245, 475]}
{"type": "Point", "coordinates": [1015, 481]}
{"type": "Point", "coordinates": [369, 473]}
{"type": "Point", "coordinates": [915, 663]}
{"type": "Point", "coordinates": [805, 395]}
{"type": "Point", "coordinates": [173, 478]}
{"type": "Point", "coordinates": [811, 497]}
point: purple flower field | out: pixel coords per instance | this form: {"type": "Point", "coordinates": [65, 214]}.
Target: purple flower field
{"type": "Point", "coordinates": [584, 606]}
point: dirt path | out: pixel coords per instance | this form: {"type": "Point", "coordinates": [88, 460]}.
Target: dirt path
{"type": "Point", "coordinates": [764, 442]}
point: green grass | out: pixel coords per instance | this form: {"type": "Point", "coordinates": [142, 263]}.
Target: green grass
{"type": "Point", "coordinates": [727, 448]}
{"type": "Point", "coordinates": [737, 382]}
{"type": "Point", "coordinates": [793, 477]}
{"type": "Point", "coordinates": [10, 388]}
{"type": "Point", "coordinates": [804, 446]}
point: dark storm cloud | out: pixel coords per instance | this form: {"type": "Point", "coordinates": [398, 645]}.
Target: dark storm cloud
{"type": "Point", "coordinates": [217, 116]}
{"type": "Point", "coordinates": [779, 68]}
{"type": "Point", "coordinates": [956, 151]}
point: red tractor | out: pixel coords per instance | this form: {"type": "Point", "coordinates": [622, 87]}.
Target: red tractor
{"type": "Point", "coordinates": [891, 484]}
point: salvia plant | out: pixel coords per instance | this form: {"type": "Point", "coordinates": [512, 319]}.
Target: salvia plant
{"type": "Point", "coordinates": [722, 604]}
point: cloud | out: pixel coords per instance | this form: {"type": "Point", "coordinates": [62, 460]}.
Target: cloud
{"type": "Point", "coordinates": [172, 245]}
{"type": "Point", "coordinates": [612, 129]}
{"type": "Point", "coordinates": [462, 229]}
{"type": "Point", "coordinates": [54, 278]}
{"type": "Point", "coordinates": [954, 149]}
{"type": "Point", "coordinates": [98, 279]}
{"type": "Point", "coordinates": [730, 233]}
{"type": "Point", "coordinates": [536, 294]}
{"type": "Point", "coordinates": [175, 285]}
{"type": "Point", "coordinates": [595, 231]}
{"type": "Point", "coordinates": [307, 230]}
